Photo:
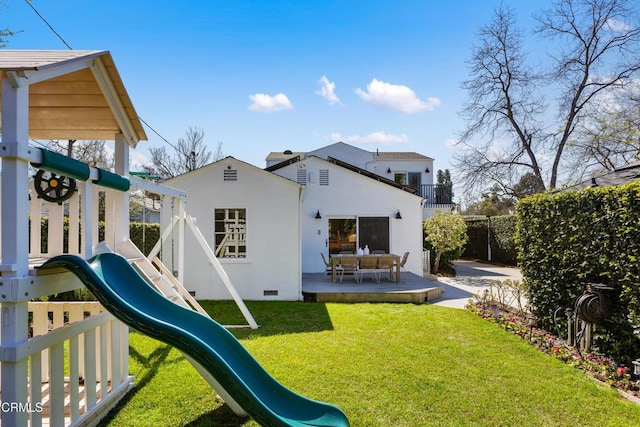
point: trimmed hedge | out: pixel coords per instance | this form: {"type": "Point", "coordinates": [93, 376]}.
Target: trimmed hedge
{"type": "Point", "coordinates": [503, 247]}
{"type": "Point", "coordinates": [143, 235]}
{"type": "Point", "coordinates": [590, 236]}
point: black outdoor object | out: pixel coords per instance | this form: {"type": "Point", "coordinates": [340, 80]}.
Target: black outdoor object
{"type": "Point", "coordinates": [597, 303]}
{"type": "Point", "coordinates": [54, 188]}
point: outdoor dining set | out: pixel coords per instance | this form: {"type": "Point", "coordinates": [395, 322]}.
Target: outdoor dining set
{"type": "Point", "coordinates": [374, 264]}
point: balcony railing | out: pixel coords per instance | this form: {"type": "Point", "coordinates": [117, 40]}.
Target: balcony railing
{"type": "Point", "coordinates": [435, 195]}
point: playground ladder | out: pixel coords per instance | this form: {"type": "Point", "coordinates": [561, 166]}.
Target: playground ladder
{"type": "Point", "coordinates": [157, 274]}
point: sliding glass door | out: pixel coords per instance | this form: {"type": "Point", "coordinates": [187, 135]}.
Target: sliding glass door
{"type": "Point", "coordinates": [347, 234]}
{"type": "Point", "coordinates": [374, 232]}
{"type": "Point", "coordinates": [342, 235]}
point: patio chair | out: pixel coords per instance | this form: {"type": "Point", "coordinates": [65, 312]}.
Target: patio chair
{"type": "Point", "coordinates": [346, 252]}
{"type": "Point", "coordinates": [349, 264]}
{"type": "Point", "coordinates": [386, 264]}
{"type": "Point", "coordinates": [369, 264]}
{"type": "Point", "coordinates": [378, 252]}
{"type": "Point", "coordinates": [328, 265]}
{"type": "Point", "coordinates": [403, 261]}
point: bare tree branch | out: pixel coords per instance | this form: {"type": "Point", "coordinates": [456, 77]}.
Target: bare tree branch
{"type": "Point", "coordinates": [510, 128]}
{"type": "Point", "coordinates": [190, 153]}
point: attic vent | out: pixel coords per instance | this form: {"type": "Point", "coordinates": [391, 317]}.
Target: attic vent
{"type": "Point", "coordinates": [301, 177]}
{"type": "Point", "coordinates": [230, 175]}
{"type": "Point", "coordinates": [324, 177]}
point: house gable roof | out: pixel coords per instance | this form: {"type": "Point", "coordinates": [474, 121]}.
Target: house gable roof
{"type": "Point", "coordinates": [73, 94]}
{"type": "Point", "coordinates": [225, 163]}
{"type": "Point", "coordinates": [341, 146]}
{"type": "Point", "coordinates": [282, 164]}
{"type": "Point", "coordinates": [621, 175]}
{"type": "Point", "coordinates": [371, 175]}
{"type": "Point", "coordinates": [401, 155]}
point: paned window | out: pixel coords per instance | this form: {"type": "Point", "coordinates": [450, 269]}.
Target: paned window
{"type": "Point", "coordinates": [230, 230]}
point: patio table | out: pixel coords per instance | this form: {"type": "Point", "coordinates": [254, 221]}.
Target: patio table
{"type": "Point", "coordinates": [335, 261]}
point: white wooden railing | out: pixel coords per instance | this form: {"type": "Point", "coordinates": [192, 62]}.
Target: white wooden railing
{"type": "Point", "coordinates": [77, 363]}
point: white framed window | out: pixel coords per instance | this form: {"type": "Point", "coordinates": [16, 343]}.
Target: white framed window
{"type": "Point", "coordinates": [230, 232]}
{"type": "Point", "coordinates": [400, 178]}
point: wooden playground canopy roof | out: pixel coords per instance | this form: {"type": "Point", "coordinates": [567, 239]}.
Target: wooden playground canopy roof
{"type": "Point", "coordinates": [73, 94]}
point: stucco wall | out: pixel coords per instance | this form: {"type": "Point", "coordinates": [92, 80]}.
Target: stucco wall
{"type": "Point", "coordinates": [350, 195]}
{"type": "Point", "coordinates": [273, 250]}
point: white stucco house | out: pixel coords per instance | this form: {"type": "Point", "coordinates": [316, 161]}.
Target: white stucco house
{"type": "Point", "coordinates": [269, 226]}
{"type": "Point", "coordinates": [251, 219]}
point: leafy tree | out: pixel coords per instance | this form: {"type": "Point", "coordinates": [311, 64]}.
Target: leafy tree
{"type": "Point", "coordinates": [492, 203]}
{"type": "Point", "coordinates": [513, 125]}
{"type": "Point", "coordinates": [445, 232]}
{"type": "Point", "coordinates": [528, 185]}
{"type": "Point", "coordinates": [190, 153]}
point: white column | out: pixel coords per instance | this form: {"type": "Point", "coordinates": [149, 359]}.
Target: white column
{"type": "Point", "coordinates": [86, 218]}
{"type": "Point", "coordinates": [15, 238]}
{"type": "Point", "coordinates": [181, 247]}
{"type": "Point", "coordinates": [121, 202]}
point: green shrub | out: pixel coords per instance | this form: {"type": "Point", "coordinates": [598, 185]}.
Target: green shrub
{"type": "Point", "coordinates": [445, 234]}
{"type": "Point", "coordinates": [590, 236]}
{"type": "Point", "coordinates": [144, 235]}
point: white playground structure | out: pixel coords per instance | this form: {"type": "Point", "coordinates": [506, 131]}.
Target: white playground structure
{"type": "Point", "coordinates": [66, 363]}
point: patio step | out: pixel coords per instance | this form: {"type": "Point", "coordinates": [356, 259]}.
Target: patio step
{"type": "Point", "coordinates": [418, 296]}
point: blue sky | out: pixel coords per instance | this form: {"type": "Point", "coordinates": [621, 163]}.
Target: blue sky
{"type": "Point", "coordinates": [263, 76]}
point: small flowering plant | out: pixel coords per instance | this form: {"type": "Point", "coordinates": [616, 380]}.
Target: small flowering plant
{"type": "Point", "coordinates": [517, 322]}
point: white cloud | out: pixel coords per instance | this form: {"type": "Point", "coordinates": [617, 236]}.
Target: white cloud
{"type": "Point", "coordinates": [397, 97]}
{"type": "Point", "coordinates": [137, 161]}
{"type": "Point", "coordinates": [615, 25]}
{"type": "Point", "coordinates": [379, 138]}
{"type": "Point", "coordinates": [327, 91]}
{"type": "Point", "coordinates": [263, 103]}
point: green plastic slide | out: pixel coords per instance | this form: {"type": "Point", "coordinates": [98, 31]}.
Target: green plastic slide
{"type": "Point", "coordinates": [124, 293]}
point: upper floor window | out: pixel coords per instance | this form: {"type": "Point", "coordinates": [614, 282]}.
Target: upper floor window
{"type": "Point", "coordinates": [400, 178]}
{"type": "Point", "coordinates": [409, 179]}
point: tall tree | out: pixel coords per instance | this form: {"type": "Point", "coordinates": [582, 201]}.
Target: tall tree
{"type": "Point", "coordinates": [495, 202]}
{"type": "Point", "coordinates": [190, 153]}
{"type": "Point", "coordinates": [514, 125]}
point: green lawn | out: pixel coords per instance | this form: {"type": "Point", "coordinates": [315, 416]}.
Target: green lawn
{"type": "Point", "coordinates": [384, 365]}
